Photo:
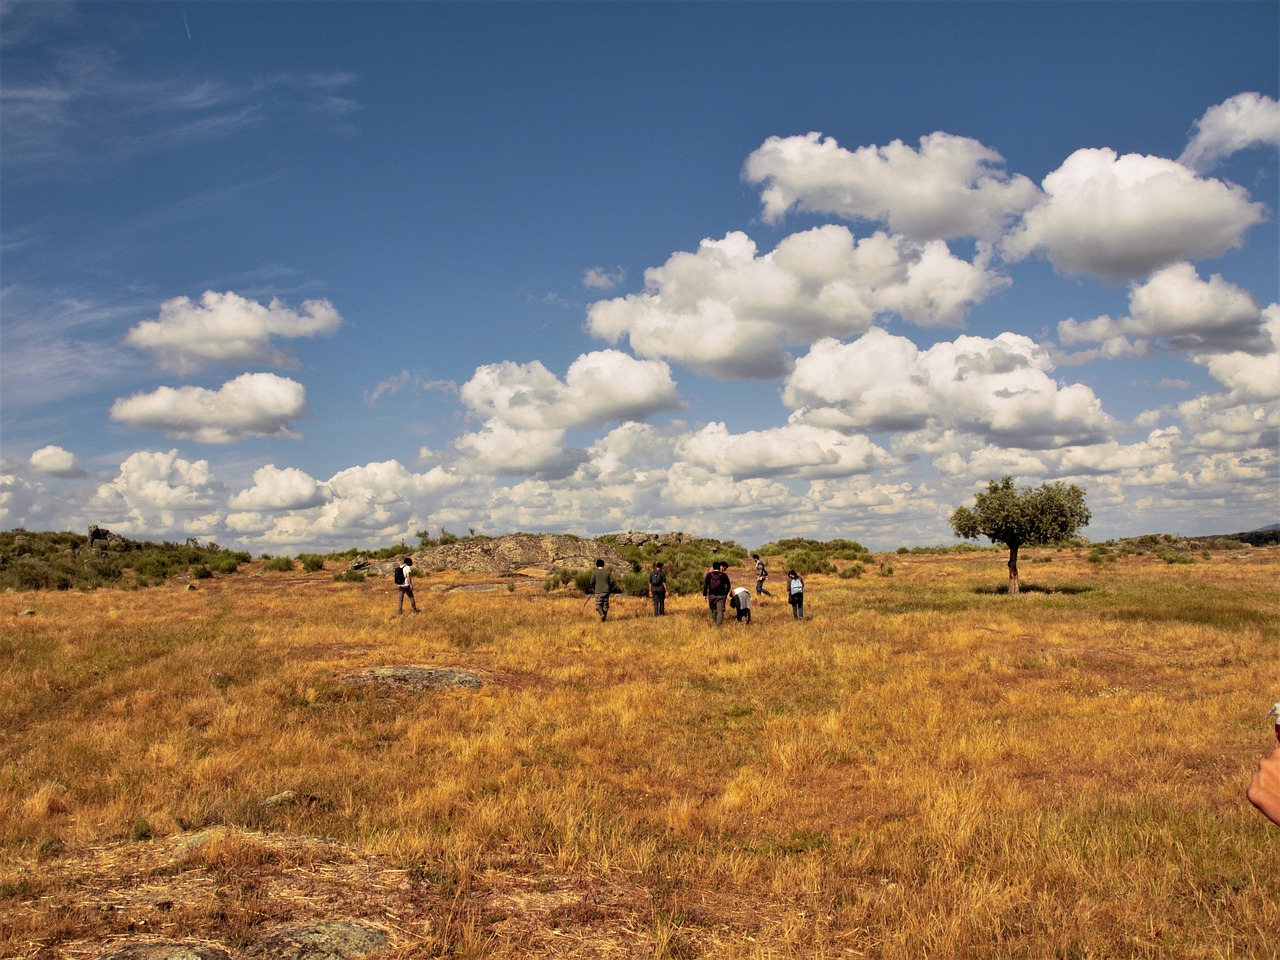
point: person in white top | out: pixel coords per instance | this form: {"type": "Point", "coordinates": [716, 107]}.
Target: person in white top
{"type": "Point", "coordinates": [741, 602]}
{"type": "Point", "coordinates": [404, 584]}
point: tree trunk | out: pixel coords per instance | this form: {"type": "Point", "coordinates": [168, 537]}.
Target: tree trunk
{"type": "Point", "coordinates": [1013, 569]}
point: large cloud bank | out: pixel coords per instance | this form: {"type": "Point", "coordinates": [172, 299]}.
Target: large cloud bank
{"type": "Point", "coordinates": [883, 411]}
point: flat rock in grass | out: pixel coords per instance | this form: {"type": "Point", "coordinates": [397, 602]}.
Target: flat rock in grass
{"type": "Point", "coordinates": [329, 940]}
{"type": "Point", "coordinates": [418, 678]}
{"type": "Point", "coordinates": [167, 950]}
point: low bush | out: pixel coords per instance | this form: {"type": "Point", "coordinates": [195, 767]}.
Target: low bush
{"type": "Point", "coordinates": [228, 563]}
{"type": "Point", "coordinates": [634, 584]}
{"type": "Point", "coordinates": [807, 561]}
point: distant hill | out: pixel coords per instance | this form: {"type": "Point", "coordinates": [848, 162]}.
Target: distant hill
{"type": "Point", "coordinates": [1262, 537]}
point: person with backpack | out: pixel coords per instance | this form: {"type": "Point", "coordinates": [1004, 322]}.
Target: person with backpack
{"type": "Point", "coordinates": [761, 576]}
{"type": "Point", "coordinates": [658, 589]}
{"type": "Point", "coordinates": [795, 594]}
{"type": "Point", "coordinates": [715, 587]}
{"type": "Point", "coordinates": [404, 584]}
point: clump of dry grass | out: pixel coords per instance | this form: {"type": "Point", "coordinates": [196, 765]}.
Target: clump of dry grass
{"type": "Point", "coordinates": [923, 767]}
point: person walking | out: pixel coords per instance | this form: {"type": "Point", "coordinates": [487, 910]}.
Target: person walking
{"type": "Point", "coordinates": [741, 603]}
{"type": "Point", "coordinates": [602, 586]}
{"type": "Point", "coordinates": [658, 589]}
{"type": "Point", "coordinates": [761, 576]}
{"type": "Point", "coordinates": [404, 585]}
{"type": "Point", "coordinates": [715, 587]}
{"type": "Point", "coordinates": [795, 594]}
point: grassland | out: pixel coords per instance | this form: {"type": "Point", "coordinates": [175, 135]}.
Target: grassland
{"type": "Point", "coordinates": [923, 768]}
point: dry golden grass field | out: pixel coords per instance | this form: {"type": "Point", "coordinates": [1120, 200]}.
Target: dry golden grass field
{"type": "Point", "coordinates": [924, 767]}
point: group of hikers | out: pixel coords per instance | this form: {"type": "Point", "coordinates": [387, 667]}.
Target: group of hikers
{"type": "Point", "coordinates": [717, 590]}
{"type": "Point", "coordinates": [719, 593]}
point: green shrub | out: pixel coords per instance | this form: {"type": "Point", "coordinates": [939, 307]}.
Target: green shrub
{"type": "Point", "coordinates": [635, 584]}
{"type": "Point", "coordinates": [279, 564]}
{"type": "Point", "coordinates": [311, 562]}
{"type": "Point", "coordinates": [853, 571]}
{"type": "Point", "coordinates": [687, 586]}
{"type": "Point", "coordinates": [808, 561]}
{"type": "Point", "coordinates": [228, 563]}
{"type": "Point", "coordinates": [558, 579]}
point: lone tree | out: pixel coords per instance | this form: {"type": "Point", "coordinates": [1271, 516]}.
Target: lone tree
{"type": "Point", "coordinates": [1051, 512]}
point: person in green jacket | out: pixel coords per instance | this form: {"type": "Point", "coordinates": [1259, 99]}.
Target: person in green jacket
{"type": "Point", "coordinates": [602, 586]}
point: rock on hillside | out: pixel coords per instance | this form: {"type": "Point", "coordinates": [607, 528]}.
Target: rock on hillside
{"type": "Point", "coordinates": [524, 552]}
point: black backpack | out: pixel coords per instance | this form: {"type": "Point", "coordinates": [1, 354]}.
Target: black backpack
{"type": "Point", "coordinates": [399, 576]}
{"type": "Point", "coordinates": [656, 578]}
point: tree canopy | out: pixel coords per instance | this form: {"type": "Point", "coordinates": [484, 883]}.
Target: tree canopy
{"type": "Point", "coordinates": [1030, 517]}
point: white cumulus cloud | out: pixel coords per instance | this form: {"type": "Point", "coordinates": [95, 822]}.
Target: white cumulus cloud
{"type": "Point", "coordinates": [997, 389]}
{"type": "Point", "coordinates": [280, 489]}
{"type": "Point", "coordinates": [1243, 121]}
{"type": "Point", "coordinates": [54, 461]}
{"type": "Point", "coordinates": [160, 494]}
{"type": "Point", "coordinates": [251, 405]}
{"type": "Point", "coordinates": [729, 311]}
{"type": "Point", "coordinates": [628, 454]}
{"type": "Point", "coordinates": [1121, 217]}
{"type": "Point", "coordinates": [793, 450]}
{"type": "Point", "coordinates": [1179, 309]}
{"type": "Point", "coordinates": [378, 501]}
{"type": "Point", "coordinates": [498, 448]}
{"type": "Point", "coordinates": [227, 328]}
{"type": "Point", "coordinates": [1251, 377]}
{"type": "Point", "coordinates": [951, 187]}
{"type": "Point", "coordinates": [599, 387]}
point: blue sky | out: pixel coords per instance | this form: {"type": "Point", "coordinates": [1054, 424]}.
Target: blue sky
{"type": "Point", "coordinates": [305, 276]}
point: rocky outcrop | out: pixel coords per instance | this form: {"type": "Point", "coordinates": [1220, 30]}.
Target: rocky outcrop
{"type": "Point", "coordinates": [103, 539]}
{"type": "Point", "coordinates": [528, 553]}
{"type": "Point", "coordinates": [417, 678]}
{"type": "Point", "coordinates": [165, 950]}
{"type": "Point", "coordinates": [320, 940]}
{"type": "Point", "coordinates": [332, 940]}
